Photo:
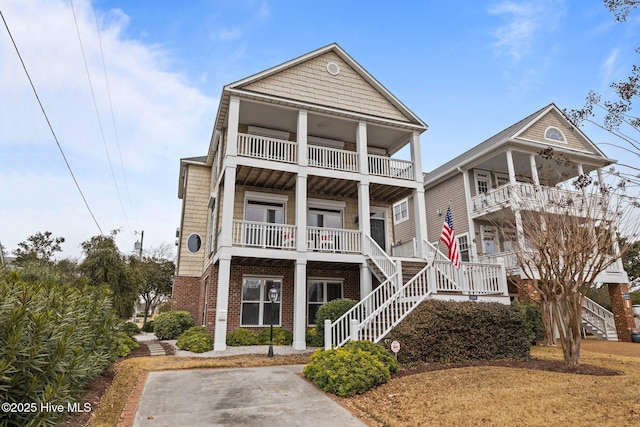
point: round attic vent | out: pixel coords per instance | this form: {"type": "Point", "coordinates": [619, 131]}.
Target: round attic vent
{"type": "Point", "coordinates": [333, 68]}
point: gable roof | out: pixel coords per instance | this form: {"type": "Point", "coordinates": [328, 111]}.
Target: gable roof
{"type": "Point", "coordinates": [514, 135]}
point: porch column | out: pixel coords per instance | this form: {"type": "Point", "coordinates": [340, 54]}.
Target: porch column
{"type": "Point", "coordinates": [420, 216]}
{"type": "Point", "coordinates": [232, 127]}
{"type": "Point", "coordinates": [365, 280]}
{"type": "Point", "coordinates": [302, 138]}
{"type": "Point", "coordinates": [510, 167]}
{"type": "Point", "coordinates": [301, 212]}
{"type": "Point", "coordinates": [299, 305]}
{"type": "Point", "coordinates": [416, 157]}
{"type": "Point", "coordinates": [472, 231]}
{"type": "Point", "coordinates": [534, 170]}
{"type": "Point", "coordinates": [361, 144]}
{"type": "Point", "coordinates": [229, 192]}
{"type": "Point", "coordinates": [222, 303]}
{"type": "Point", "coordinates": [363, 213]}
{"type": "Point", "coordinates": [622, 312]}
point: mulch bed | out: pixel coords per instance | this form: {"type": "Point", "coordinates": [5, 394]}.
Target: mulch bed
{"type": "Point", "coordinates": [537, 364]}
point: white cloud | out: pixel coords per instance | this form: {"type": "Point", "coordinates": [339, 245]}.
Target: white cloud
{"type": "Point", "coordinates": [160, 117]}
{"type": "Point", "coordinates": [608, 67]}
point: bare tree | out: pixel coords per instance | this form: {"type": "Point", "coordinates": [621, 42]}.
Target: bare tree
{"type": "Point", "coordinates": [569, 238]}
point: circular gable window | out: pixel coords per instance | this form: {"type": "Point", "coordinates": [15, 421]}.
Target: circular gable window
{"type": "Point", "coordinates": [194, 243]}
{"type": "Point", "coordinates": [333, 68]}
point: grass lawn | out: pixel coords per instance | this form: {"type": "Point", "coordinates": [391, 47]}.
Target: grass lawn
{"type": "Point", "coordinates": [485, 395]}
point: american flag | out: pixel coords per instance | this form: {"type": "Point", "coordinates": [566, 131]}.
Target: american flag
{"type": "Point", "coordinates": [448, 236]}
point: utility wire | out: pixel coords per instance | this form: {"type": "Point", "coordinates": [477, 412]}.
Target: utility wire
{"type": "Point", "coordinates": [24, 67]}
{"type": "Point", "coordinates": [95, 104]}
{"type": "Point", "coordinates": [113, 118]}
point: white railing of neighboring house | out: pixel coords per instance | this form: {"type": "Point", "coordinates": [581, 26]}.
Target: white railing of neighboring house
{"type": "Point", "coordinates": [264, 235]}
{"type": "Point", "coordinates": [510, 260]}
{"type": "Point", "coordinates": [472, 278]}
{"type": "Point", "coordinates": [406, 249]}
{"type": "Point", "coordinates": [429, 248]}
{"type": "Point", "coordinates": [333, 158]}
{"type": "Point", "coordinates": [262, 147]}
{"type": "Point", "coordinates": [323, 239]}
{"type": "Point", "coordinates": [394, 168]}
{"type": "Point", "coordinates": [599, 318]}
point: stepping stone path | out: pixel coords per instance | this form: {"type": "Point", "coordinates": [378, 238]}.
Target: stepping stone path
{"type": "Point", "coordinates": [155, 349]}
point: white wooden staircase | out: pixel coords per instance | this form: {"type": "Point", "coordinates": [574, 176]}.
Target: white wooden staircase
{"type": "Point", "coordinates": [598, 321]}
{"type": "Point", "coordinates": [377, 313]}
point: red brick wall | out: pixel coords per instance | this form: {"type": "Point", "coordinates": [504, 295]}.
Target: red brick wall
{"type": "Point", "coordinates": [622, 312]}
{"type": "Point", "coordinates": [186, 295]}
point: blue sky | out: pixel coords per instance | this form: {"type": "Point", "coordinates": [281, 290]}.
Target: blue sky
{"type": "Point", "coordinates": [468, 69]}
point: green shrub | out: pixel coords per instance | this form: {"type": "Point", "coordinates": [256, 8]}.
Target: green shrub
{"type": "Point", "coordinates": [332, 310]}
{"type": "Point", "coordinates": [312, 338]}
{"type": "Point", "coordinates": [348, 370]}
{"type": "Point", "coordinates": [280, 336]}
{"type": "Point", "coordinates": [447, 331]}
{"type": "Point", "coordinates": [124, 344]}
{"type": "Point", "coordinates": [55, 339]}
{"type": "Point", "coordinates": [196, 339]}
{"type": "Point", "coordinates": [148, 327]}
{"type": "Point", "coordinates": [165, 307]}
{"type": "Point", "coordinates": [129, 328]}
{"type": "Point", "coordinates": [241, 337]}
{"type": "Point", "coordinates": [170, 325]}
{"type": "Point", "coordinates": [378, 351]}
{"type": "Point", "coordinates": [533, 321]}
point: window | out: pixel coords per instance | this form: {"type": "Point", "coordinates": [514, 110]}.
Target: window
{"type": "Point", "coordinates": [509, 241]}
{"type": "Point", "coordinates": [501, 179]}
{"type": "Point", "coordinates": [206, 301]}
{"type": "Point", "coordinates": [194, 243]}
{"type": "Point", "coordinates": [488, 240]}
{"type": "Point", "coordinates": [257, 310]}
{"type": "Point", "coordinates": [401, 211]}
{"type": "Point", "coordinates": [482, 181]}
{"type": "Point", "coordinates": [261, 210]}
{"type": "Point", "coordinates": [320, 291]}
{"type": "Point", "coordinates": [463, 246]}
{"type": "Point", "coordinates": [554, 134]}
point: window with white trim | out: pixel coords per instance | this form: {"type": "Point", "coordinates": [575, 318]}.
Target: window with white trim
{"type": "Point", "coordinates": [464, 248]}
{"type": "Point", "coordinates": [401, 211]}
{"type": "Point", "coordinates": [554, 134]}
{"type": "Point", "coordinates": [320, 291]}
{"type": "Point", "coordinates": [256, 309]}
{"type": "Point", "coordinates": [483, 181]}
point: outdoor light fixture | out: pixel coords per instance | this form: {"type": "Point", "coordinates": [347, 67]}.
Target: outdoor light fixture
{"type": "Point", "coordinates": [273, 297]}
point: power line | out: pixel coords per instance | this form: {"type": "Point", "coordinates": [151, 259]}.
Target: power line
{"type": "Point", "coordinates": [24, 67]}
{"type": "Point", "coordinates": [95, 104]}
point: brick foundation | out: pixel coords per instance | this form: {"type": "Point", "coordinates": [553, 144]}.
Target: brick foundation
{"type": "Point", "coordinates": [622, 312]}
{"type": "Point", "coordinates": [186, 295]}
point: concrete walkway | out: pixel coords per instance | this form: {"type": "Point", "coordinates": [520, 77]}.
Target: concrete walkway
{"type": "Point", "coordinates": [273, 395]}
{"type": "Point", "coordinates": [152, 343]}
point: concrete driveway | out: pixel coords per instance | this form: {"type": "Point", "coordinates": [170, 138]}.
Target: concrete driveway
{"type": "Point", "coordinates": [272, 395]}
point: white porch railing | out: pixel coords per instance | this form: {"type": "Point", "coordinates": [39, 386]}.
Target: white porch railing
{"type": "Point", "coordinates": [599, 318]}
{"type": "Point", "coordinates": [333, 240]}
{"type": "Point", "coordinates": [262, 147]}
{"type": "Point", "coordinates": [406, 249]}
{"type": "Point", "coordinates": [393, 168]}
{"type": "Point", "coordinates": [470, 279]}
{"type": "Point", "coordinates": [333, 158]}
{"type": "Point", "coordinates": [264, 235]}
{"type": "Point", "coordinates": [380, 258]}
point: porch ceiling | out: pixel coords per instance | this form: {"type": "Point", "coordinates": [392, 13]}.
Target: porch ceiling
{"type": "Point", "coordinates": [262, 262]}
{"type": "Point", "coordinates": [265, 178]}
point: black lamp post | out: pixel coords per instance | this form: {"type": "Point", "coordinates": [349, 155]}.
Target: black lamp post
{"type": "Point", "coordinates": [273, 297]}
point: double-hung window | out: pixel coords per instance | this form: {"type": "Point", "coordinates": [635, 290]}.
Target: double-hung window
{"type": "Point", "coordinates": [401, 211]}
{"type": "Point", "coordinates": [257, 310]}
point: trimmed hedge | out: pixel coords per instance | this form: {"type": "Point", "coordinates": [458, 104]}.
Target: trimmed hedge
{"type": "Point", "coordinates": [280, 336]}
{"type": "Point", "coordinates": [196, 339]}
{"type": "Point", "coordinates": [170, 325]}
{"type": "Point", "coordinates": [129, 328]}
{"type": "Point", "coordinates": [124, 344]}
{"type": "Point", "coordinates": [533, 321]}
{"type": "Point", "coordinates": [312, 338]}
{"type": "Point", "coordinates": [148, 327]}
{"type": "Point", "coordinates": [241, 337]}
{"type": "Point", "coordinates": [332, 310]}
{"type": "Point", "coordinates": [55, 339]}
{"type": "Point", "coordinates": [352, 369]}
{"type": "Point", "coordinates": [447, 331]}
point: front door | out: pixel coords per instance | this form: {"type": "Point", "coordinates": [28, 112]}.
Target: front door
{"type": "Point", "coordinates": [378, 231]}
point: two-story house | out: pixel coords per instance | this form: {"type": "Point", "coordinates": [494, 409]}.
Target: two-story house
{"type": "Point", "coordinates": [299, 181]}
{"type": "Point", "coordinates": [508, 174]}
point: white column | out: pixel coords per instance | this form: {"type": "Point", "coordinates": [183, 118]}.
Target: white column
{"type": "Point", "coordinates": [302, 138]}
{"type": "Point", "coordinates": [366, 285]}
{"type": "Point", "coordinates": [222, 303]}
{"type": "Point", "coordinates": [301, 212]}
{"type": "Point", "coordinates": [420, 216]}
{"type": "Point", "coordinates": [233, 116]}
{"type": "Point", "coordinates": [510, 168]}
{"type": "Point", "coordinates": [473, 251]}
{"type": "Point", "coordinates": [300, 305]}
{"type": "Point", "coordinates": [228, 201]}
{"type": "Point", "coordinates": [534, 170]}
{"type": "Point", "coordinates": [363, 213]}
{"type": "Point", "coordinates": [580, 169]}
{"type": "Point", "coordinates": [416, 157]}
{"type": "Point", "coordinates": [361, 143]}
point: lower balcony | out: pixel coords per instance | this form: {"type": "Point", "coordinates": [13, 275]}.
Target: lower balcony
{"type": "Point", "coordinates": [283, 236]}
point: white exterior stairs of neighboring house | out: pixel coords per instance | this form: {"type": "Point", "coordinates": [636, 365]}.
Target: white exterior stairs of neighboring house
{"type": "Point", "coordinates": [402, 289]}
{"type": "Point", "coordinates": [598, 321]}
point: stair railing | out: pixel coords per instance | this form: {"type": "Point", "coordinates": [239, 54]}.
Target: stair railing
{"type": "Point", "coordinates": [598, 317]}
{"type": "Point", "coordinates": [380, 258]}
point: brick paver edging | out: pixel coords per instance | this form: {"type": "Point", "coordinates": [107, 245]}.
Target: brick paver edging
{"type": "Point", "coordinates": [129, 410]}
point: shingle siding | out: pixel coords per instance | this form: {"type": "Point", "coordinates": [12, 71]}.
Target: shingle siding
{"type": "Point", "coordinates": [537, 130]}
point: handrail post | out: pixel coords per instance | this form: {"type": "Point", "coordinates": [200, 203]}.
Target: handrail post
{"type": "Point", "coordinates": [353, 323]}
{"type": "Point", "coordinates": [502, 278]}
{"type": "Point", "coordinates": [327, 334]}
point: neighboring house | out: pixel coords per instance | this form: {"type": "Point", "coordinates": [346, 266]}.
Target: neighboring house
{"type": "Point", "coordinates": [500, 177]}
{"type": "Point", "coordinates": [299, 193]}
